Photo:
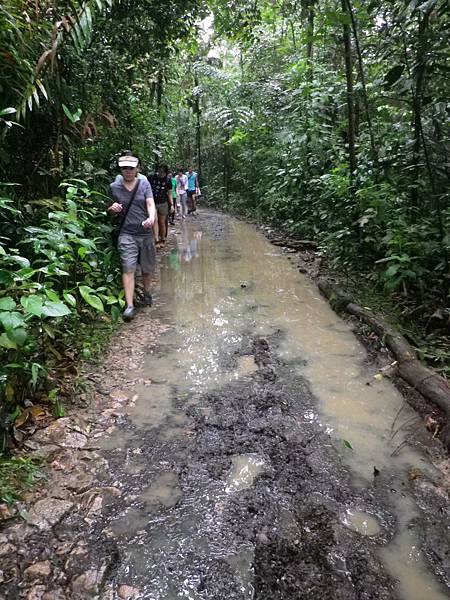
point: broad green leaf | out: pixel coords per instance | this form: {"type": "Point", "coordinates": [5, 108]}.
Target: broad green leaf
{"type": "Point", "coordinates": [21, 260]}
{"type": "Point", "coordinates": [85, 290]}
{"type": "Point", "coordinates": [32, 304]}
{"type": "Point", "coordinates": [52, 295]}
{"type": "Point", "coordinates": [55, 309]}
{"type": "Point", "coordinates": [5, 342]}
{"type": "Point", "coordinates": [392, 270]}
{"type": "Point", "coordinates": [91, 298]}
{"type": "Point", "coordinates": [5, 277]}
{"type": "Point", "coordinates": [18, 335]}
{"type": "Point", "coordinates": [7, 304]}
{"type": "Point", "coordinates": [11, 320]}
{"type": "Point", "coordinates": [95, 302]}
{"type": "Point", "coordinates": [70, 299]}
{"type": "Point", "coordinates": [115, 313]}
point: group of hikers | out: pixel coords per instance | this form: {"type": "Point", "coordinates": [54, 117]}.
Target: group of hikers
{"type": "Point", "coordinates": [143, 207]}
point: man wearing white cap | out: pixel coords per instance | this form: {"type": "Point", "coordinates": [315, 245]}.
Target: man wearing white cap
{"type": "Point", "coordinates": [133, 203]}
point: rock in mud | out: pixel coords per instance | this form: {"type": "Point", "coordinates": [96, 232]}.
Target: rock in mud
{"type": "Point", "coordinates": [60, 432]}
{"type": "Point", "coordinates": [38, 570]}
{"type": "Point", "coordinates": [48, 512]}
{"type": "Point", "coordinates": [36, 593]}
{"type": "Point", "coordinates": [55, 594]}
{"type": "Point", "coordinates": [6, 549]}
{"type": "Point", "coordinates": [126, 592]}
{"type": "Point", "coordinates": [87, 584]}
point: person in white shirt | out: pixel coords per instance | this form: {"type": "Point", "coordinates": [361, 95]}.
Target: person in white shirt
{"type": "Point", "coordinates": [182, 185]}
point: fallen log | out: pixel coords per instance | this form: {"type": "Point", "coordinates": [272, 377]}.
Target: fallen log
{"type": "Point", "coordinates": [295, 244]}
{"type": "Point", "coordinates": [427, 382]}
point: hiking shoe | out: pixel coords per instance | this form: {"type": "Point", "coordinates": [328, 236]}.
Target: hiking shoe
{"type": "Point", "coordinates": [129, 313]}
{"type": "Point", "coordinates": [147, 300]}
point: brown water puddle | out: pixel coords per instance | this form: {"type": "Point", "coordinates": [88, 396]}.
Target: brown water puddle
{"type": "Point", "coordinates": [217, 291]}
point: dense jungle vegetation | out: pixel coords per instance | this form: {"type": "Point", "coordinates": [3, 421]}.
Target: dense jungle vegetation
{"type": "Point", "coordinates": [326, 118]}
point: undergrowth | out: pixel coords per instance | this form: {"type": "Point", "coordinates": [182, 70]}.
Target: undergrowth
{"type": "Point", "coordinates": [18, 474]}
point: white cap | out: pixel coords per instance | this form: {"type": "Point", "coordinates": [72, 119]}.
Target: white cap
{"type": "Point", "coordinates": [128, 161]}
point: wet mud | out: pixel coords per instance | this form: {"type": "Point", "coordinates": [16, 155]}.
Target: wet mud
{"type": "Point", "coordinates": [216, 532]}
{"type": "Point", "coordinates": [225, 478]}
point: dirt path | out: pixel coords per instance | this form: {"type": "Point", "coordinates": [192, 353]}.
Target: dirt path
{"type": "Point", "coordinates": [239, 448]}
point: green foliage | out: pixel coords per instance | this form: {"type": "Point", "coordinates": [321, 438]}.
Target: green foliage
{"type": "Point", "coordinates": [17, 475]}
{"type": "Point", "coordinates": [63, 274]}
{"type": "Point", "coordinates": [276, 130]}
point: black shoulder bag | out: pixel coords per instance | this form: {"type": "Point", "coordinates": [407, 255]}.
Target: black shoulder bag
{"type": "Point", "coordinates": [117, 230]}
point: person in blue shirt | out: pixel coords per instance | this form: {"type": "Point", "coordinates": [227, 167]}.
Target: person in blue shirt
{"type": "Point", "coordinates": [192, 190]}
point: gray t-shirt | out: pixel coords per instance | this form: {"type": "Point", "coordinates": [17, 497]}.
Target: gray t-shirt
{"type": "Point", "coordinates": [138, 210]}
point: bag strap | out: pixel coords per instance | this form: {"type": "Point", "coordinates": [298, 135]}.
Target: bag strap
{"type": "Point", "coordinates": [124, 218]}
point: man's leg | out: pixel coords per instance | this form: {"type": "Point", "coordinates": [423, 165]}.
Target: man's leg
{"type": "Point", "coordinates": [147, 262]}
{"type": "Point", "coordinates": [162, 227]}
{"type": "Point", "coordinates": [155, 230]}
{"type": "Point", "coordinates": [147, 278]}
{"type": "Point", "coordinates": [128, 286]}
{"type": "Point", "coordinates": [129, 253]}
{"type": "Point", "coordinates": [183, 198]}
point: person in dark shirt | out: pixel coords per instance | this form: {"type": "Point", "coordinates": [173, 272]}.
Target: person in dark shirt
{"type": "Point", "coordinates": [132, 204]}
{"type": "Point", "coordinates": [162, 192]}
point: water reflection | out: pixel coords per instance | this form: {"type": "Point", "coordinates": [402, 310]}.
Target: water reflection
{"type": "Point", "coordinates": [218, 291]}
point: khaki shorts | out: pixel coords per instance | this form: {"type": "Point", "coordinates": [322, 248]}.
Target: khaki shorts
{"type": "Point", "coordinates": [162, 209]}
{"type": "Point", "coordinates": [137, 249]}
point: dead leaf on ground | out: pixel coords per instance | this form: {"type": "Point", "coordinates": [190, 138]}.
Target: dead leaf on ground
{"type": "Point", "coordinates": [32, 413]}
{"type": "Point", "coordinates": [414, 474]}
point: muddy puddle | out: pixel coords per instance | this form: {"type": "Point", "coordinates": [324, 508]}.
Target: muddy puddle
{"type": "Point", "coordinates": [199, 460]}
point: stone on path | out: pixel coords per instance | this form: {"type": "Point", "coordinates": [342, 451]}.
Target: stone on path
{"type": "Point", "coordinates": [126, 592]}
{"type": "Point", "coordinates": [62, 433]}
{"type": "Point", "coordinates": [36, 593]}
{"type": "Point", "coordinates": [38, 570]}
{"type": "Point", "coordinates": [87, 584]}
{"type": "Point", "coordinates": [48, 512]}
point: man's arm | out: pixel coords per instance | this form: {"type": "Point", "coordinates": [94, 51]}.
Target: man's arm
{"type": "Point", "coordinates": [151, 210]}
{"type": "Point", "coordinates": [170, 195]}
{"type": "Point", "coordinates": [115, 207]}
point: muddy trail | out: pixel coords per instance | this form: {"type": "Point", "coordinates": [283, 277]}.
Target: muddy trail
{"type": "Point", "coordinates": [253, 454]}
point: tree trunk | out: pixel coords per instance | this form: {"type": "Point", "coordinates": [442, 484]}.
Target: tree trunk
{"type": "Point", "coordinates": [310, 38]}
{"type": "Point", "coordinates": [294, 42]}
{"type": "Point", "coordinates": [226, 166]}
{"type": "Point", "coordinates": [420, 68]}
{"type": "Point", "coordinates": [198, 132]}
{"type": "Point", "coordinates": [431, 385]}
{"type": "Point", "coordinates": [351, 137]}
{"type": "Point", "coordinates": [310, 69]}
{"type": "Point", "coordinates": [159, 94]}
{"type": "Point", "coordinates": [363, 81]}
